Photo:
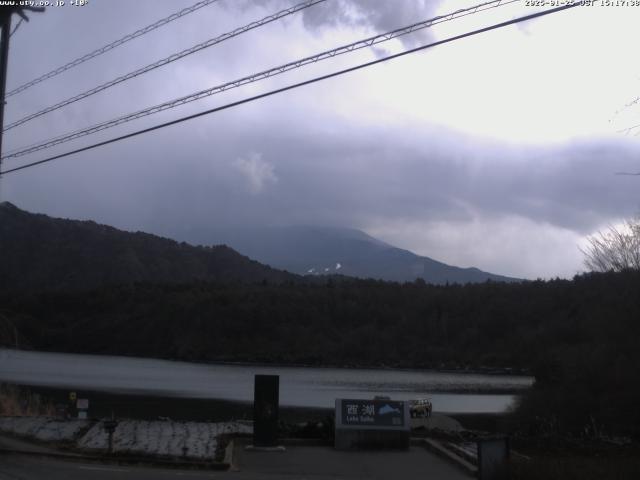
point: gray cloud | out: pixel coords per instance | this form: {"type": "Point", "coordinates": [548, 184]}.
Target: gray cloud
{"type": "Point", "coordinates": [379, 15]}
{"type": "Point", "coordinates": [346, 179]}
{"type": "Point", "coordinates": [258, 173]}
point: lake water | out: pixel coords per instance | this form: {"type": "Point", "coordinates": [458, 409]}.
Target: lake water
{"type": "Point", "coordinates": [299, 386]}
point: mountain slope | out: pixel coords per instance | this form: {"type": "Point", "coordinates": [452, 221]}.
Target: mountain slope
{"type": "Point", "coordinates": [40, 252]}
{"type": "Point", "coordinates": [325, 250]}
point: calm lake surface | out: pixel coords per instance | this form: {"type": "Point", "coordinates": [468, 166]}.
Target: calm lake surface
{"type": "Point", "coordinates": [299, 386]}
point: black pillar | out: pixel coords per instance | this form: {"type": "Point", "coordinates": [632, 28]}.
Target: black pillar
{"type": "Point", "coordinates": [266, 397]}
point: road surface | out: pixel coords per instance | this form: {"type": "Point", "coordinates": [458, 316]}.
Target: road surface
{"type": "Point", "coordinates": [27, 467]}
{"type": "Point", "coordinates": [295, 463]}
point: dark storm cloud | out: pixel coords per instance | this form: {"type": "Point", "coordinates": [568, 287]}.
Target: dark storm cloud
{"type": "Point", "coordinates": [346, 178]}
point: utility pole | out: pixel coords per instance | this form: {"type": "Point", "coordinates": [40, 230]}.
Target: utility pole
{"type": "Point", "coordinates": [5, 19]}
{"type": "Point", "coordinates": [4, 59]}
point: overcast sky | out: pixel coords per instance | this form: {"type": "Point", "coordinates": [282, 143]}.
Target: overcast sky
{"type": "Point", "coordinates": [497, 151]}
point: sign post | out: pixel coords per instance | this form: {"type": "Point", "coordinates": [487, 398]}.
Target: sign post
{"type": "Point", "coordinates": [71, 409]}
{"type": "Point", "coordinates": [110, 427]}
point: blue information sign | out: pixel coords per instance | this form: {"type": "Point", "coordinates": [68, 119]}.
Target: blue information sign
{"type": "Point", "coordinates": [372, 413]}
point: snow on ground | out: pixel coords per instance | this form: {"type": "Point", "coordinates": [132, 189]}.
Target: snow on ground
{"type": "Point", "coordinates": [162, 437]}
{"type": "Point", "coordinates": [46, 429]}
{"type": "Point", "coordinates": [437, 421]}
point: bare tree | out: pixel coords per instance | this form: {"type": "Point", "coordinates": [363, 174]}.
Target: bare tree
{"type": "Point", "coordinates": [616, 249]}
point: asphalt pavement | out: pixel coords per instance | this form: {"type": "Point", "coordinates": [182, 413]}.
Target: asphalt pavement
{"type": "Point", "coordinates": [297, 462]}
{"type": "Point", "coordinates": [29, 467]}
{"type": "Point", "coordinates": [320, 463]}
{"type": "Point", "coordinates": [12, 443]}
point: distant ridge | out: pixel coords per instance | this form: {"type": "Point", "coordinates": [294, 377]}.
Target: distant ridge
{"type": "Point", "coordinates": [38, 252]}
{"type": "Point", "coordinates": [317, 250]}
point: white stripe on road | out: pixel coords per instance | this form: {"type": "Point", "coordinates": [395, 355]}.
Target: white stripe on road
{"type": "Point", "coordinates": [185, 474]}
{"type": "Point", "coordinates": [124, 470]}
{"type": "Point", "coordinates": [105, 469]}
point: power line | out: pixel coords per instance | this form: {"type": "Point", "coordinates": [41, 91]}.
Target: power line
{"type": "Point", "coordinates": [383, 37]}
{"type": "Point", "coordinates": [5, 25]}
{"type": "Point", "coordinates": [166, 61]}
{"type": "Point", "coordinates": [111, 46]}
{"type": "Point", "coordinates": [11, 35]}
{"type": "Point", "coordinates": [628, 130]}
{"type": "Point", "coordinates": [297, 85]}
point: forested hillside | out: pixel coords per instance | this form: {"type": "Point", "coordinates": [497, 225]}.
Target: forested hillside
{"type": "Point", "coordinates": [38, 252]}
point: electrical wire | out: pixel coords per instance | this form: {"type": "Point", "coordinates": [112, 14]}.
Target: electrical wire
{"type": "Point", "coordinates": [368, 42]}
{"type": "Point", "coordinates": [297, 85]}
{"type": "Point", "coordinates": [628, 130]}
{"type": "Point", "coordinates": [167, 60]}
{"type": "Point", "coordinates": [110, 46]}
{"type": "Point", "coordinates": [16, 28]}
